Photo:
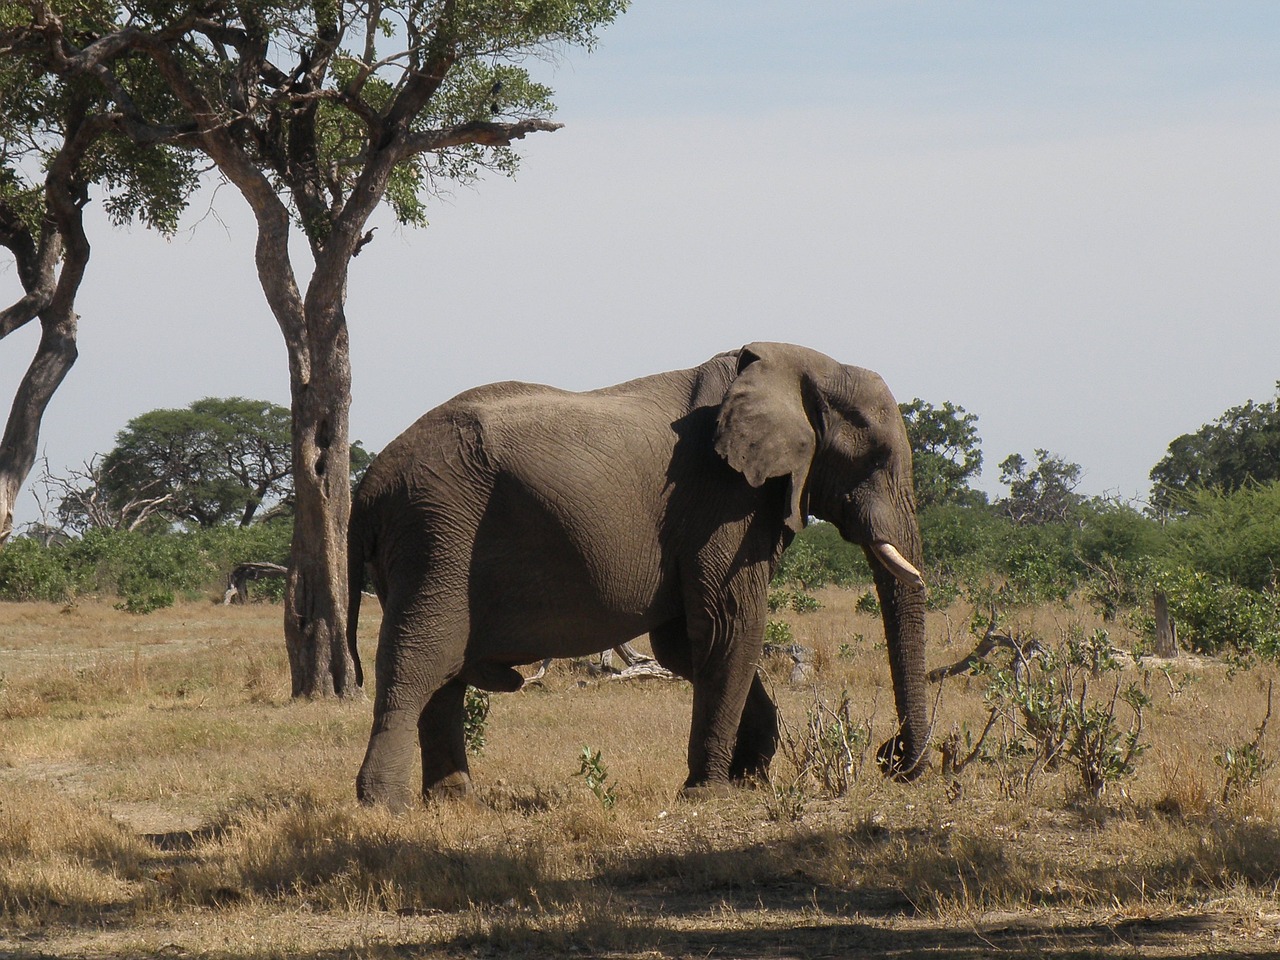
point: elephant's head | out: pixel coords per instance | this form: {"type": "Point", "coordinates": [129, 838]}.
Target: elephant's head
{"type": "Point", "coordinates": [836, 432]}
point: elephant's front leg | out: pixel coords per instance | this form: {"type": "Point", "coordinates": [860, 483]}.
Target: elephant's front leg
{"type": "Point", "coordinates": [757, 735]}
{"type": "Point", "coordinates": [441, 735]}
{"type": "Point", "coordinates": [726, 651]}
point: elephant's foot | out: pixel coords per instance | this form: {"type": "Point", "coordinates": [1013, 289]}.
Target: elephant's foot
{"type": "Point", "coordinates": [452, 787]}
{"type": "Point", "coordinates": [894, 760]}
{"type": "Point", "coordinates": [707, 790]}
{"type": "Point", "coordinates": [396, 798]}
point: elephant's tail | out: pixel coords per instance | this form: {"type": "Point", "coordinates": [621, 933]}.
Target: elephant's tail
{"type": "Point", "coordinates": [357, 555]}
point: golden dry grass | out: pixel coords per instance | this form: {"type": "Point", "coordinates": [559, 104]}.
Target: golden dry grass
{"type": "Point", "coordinates": [160, 793]}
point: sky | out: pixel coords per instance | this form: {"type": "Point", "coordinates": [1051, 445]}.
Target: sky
{"type": "Point", "coordinates": [1063, 217]}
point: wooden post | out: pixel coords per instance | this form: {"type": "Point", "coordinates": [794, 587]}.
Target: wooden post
{"type": "Point", "coordinates": [1166, 629]}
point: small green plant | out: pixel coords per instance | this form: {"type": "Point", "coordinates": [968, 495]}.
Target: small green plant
{"type": "Point", "coordinates": [868, 603]}
{"type": "Point", "coordinates": [1244, 766]}
{"type": "Point", "coordinates": [943, 592]}
{"type": "Point", "coordinates": [1050, 716]}
{"type": "Point", "coordinates": [595, 775]}
{"type": "Point", "coordinates": [802, 602]}
{"type": "Point", "coordinates": [785, 803]}
{"type": "Point", "coordinates": [797, 600]}
{"type": "Point", "coordinates": [146, 602]}
{"type": "Point", "coordinates": [778, 633]}
{"type": "Point", "coordinates": [475, 718]}
{"type": "Point", "coordinates": [849, 650]}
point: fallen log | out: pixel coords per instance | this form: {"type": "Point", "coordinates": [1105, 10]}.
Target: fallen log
{"type": "Point", "coordinates": [240, 577]}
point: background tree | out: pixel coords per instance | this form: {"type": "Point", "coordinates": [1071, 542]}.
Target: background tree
{"type": "Point", "coordinates": [317, 112]}
{"type": "Point", "coordinates": [219, 460]}
{"type": "Point", "coordinates": [56, 140]}
{"type": "Point", "coordinates": [1043, 494]}
{"type": "Point", "coordinates": [1240, 447]}
{"type": "Point", "coordinates": [216, 462]}
{"type": "Point", "coordinates": [946, 452]}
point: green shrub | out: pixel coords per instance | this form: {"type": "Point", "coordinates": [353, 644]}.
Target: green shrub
{"type": "Point", "coordinates": [475, 720]}
{"type": "Point", "coordinates": [961, 540]}
{"type": "Point", "coordinates": [797, 600]}
{"type": "Point", "coordinates": [146, 570]}
{"type": "Point", "coordinates": [149, 602]}
{"type": "Point", "coordinates": [1231, 536]}
{"type": "Point", "coordinates": [778, 632]}
{"type": "Point", "coordinates": [819, 556]}
{"type": "Point", "coordinates": [30, 571]}
{"type": "Point", "coordinates": [1214, 616]}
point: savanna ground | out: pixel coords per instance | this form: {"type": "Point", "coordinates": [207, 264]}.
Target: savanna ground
{"type": "Point", "coordinates": [160, 794]}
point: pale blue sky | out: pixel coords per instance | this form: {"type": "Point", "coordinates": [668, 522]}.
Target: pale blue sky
{"type": "Point", "coordinates": [1065, 217]}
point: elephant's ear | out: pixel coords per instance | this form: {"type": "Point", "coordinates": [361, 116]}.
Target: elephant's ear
{"type": "Point", "coordinates": [763, 429]}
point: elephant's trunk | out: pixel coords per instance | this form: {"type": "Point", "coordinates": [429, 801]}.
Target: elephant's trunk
{"type": "Point", "coordinates": [902, 596]}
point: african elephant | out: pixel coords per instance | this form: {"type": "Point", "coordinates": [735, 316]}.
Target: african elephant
{"type": "Point", "coordinates": [517, 522]}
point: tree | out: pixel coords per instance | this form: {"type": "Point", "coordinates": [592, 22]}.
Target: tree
{"type": "Point", "coordinates": [56, 140]}
{"type": "Point", "coordinates": [946, 452]}
{"type": "Point", "coordinates": [1239, 448]}
{"type": "Point", "coordinates": [317, 112]}
{"type": "Point", "coordinates": [218, 460]}
{"type": "Point", "coordinates": [1045, 494]}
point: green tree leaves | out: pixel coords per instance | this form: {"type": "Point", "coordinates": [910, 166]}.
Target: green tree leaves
{"type": "Point", "coordinates": [946, 452]}
{"type": "Point", "coordinates": [1042, 494]}
{"type": "Point", "coordinates": [1241, 447]}
{"type": "Point", "coordinates": [218, 460]}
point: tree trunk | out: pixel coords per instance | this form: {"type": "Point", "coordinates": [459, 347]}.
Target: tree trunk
{"type": "Point", "coordinates": [61, 236]}
{"type": "Point", "coordinates": [54, 357]}
{"type": "Point", "coordinates": [316, 589]}
{"type": "Point", "coordinates": [1166, 630]}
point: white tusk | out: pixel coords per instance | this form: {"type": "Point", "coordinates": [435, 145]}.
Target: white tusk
{"type": "Point", "coordinates": [897, 564]}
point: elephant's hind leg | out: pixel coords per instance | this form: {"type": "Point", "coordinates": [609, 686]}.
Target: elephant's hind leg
{"type": "Point", "coordinates": [388, 761]}
{"type": "Point", "coordinates": [442, 738]}
{"type": "Point", "coordinates": [416, 661]}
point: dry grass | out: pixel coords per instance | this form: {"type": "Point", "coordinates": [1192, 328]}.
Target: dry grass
{"type": "Point", "coordinates": [160, 793]}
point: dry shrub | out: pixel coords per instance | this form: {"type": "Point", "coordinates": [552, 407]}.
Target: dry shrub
{"type": "Point", "coordinates": [1186, 790]}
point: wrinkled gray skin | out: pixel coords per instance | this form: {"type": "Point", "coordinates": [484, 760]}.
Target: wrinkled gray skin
{"type": "Point", "coordinates": [517, 522]}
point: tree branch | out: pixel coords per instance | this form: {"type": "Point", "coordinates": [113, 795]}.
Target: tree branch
{"type": "Point", "coordinates": [478, 132]}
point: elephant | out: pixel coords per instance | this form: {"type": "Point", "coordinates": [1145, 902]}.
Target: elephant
{"type": "Point", "coordinates": [518, 521]}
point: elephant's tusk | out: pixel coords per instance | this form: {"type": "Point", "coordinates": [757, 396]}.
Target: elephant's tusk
{"type": "Point", "coordinates": [897, 564]}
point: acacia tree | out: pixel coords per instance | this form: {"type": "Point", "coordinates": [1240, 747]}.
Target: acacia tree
{"type": "Point", "coordinates": [57, 139]}
{"type": "Point", "coordinates": [218, 460]}
{"type": "Point", "coordinates": [317, 111]}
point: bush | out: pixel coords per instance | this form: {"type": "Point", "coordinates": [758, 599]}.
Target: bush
{"type": "Point", "coordinates": [147, 570]}
{"type": "Point", "coordinates": [1215, 617]}
{"type": "Point", "coordinates": [819, 556]}
{"type": "Point", "coordinates": [1118, 532]}
{"type": "Point", "coordinates": [960, 540]}
{"type": "Point", "coordinates": [1231, 536]}
{"type": "Point", "coordinates": [30, 571]}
